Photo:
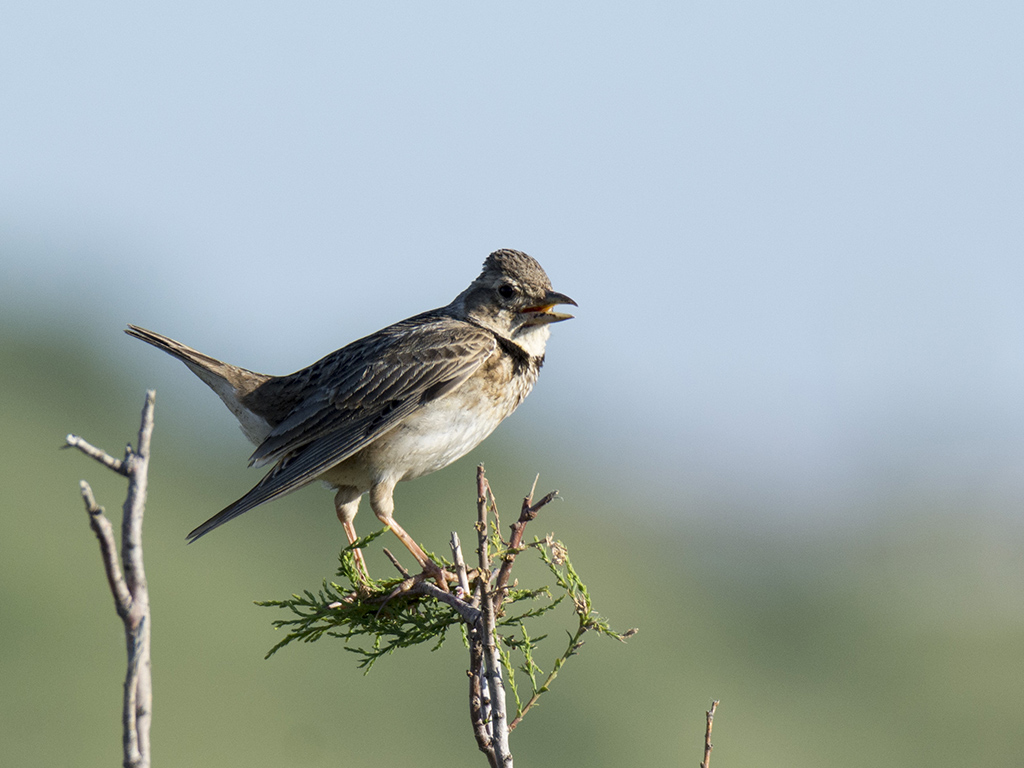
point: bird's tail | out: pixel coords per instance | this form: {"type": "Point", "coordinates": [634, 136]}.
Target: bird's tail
{"type": "Point", "coordinates": [230, 382]}
{"type": "Point", "coordinates": [211, 370]}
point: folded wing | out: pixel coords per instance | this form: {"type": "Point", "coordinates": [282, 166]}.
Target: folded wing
{"type": "Point", "coordinates": [356, 395]}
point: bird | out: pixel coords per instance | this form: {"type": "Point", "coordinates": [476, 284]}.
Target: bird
{"type": "Point", "coordinates": [396, 405]}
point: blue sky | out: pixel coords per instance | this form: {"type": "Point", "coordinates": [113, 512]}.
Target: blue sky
{"type": "Point", "coordinates": [794, 230]}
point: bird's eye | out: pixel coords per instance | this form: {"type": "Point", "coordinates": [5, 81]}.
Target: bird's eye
{"type": "Point", "coordinates": [506, 291]}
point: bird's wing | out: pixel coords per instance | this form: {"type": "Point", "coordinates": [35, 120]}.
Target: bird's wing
{"type": "Point", "coordinates": [358, 394]}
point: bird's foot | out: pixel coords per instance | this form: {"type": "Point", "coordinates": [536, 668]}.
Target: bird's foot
{"type": "Point", "coordinates": [432, 570]}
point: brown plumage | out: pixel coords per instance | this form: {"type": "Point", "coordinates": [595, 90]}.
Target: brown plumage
{"type": "Point", "coordinates": [394, 405]}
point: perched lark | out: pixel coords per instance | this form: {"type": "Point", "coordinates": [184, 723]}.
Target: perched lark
{"type": "Point", "coordinates": [395, 405]}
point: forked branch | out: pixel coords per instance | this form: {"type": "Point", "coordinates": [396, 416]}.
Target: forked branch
{"type": "Point", "coordinates": [127, 579]}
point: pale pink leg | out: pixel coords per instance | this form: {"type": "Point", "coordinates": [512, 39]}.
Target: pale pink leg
{"type": "Point", "coordinates": [384, 507]}
{"type": "Point", "coordinates": [346, 505]}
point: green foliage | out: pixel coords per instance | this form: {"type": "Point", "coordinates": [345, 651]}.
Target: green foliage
{"type": "Point", "coordinates": [365, 609]}
{"type": "Point", "coordinates": [377, 617]}
{"type": "Point", "coordinates": [556, 557]}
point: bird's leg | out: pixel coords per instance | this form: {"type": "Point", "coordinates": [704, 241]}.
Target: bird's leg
{"type": "Point", "coordinates": [383, 507]}
{"type": "Point", "coordinates": [346, 508]}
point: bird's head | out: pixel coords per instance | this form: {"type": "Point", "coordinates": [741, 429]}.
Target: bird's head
{"type": "Point", "coordinates": [513, 297]}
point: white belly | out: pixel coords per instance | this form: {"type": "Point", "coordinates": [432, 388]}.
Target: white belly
{"type": "Point", "coordinates": [427, 441]}
{"type": "Point", "coordinates": [433, 438]}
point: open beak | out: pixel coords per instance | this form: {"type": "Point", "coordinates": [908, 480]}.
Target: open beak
{"type": "Point", "coordinates": [542, 313]}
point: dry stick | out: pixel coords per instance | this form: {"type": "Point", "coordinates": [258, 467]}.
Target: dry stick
{"type": "Point", "coordinates": [502, 757]}
{"type": "Point", "coordinates": [477, 712]}
{"type": "Point", "coordinates": [476, 657]}
{"type": "Point", "coordinates": [528, 513]}
{"type": "Point", "coordinates": [486, 688]}
{"type": "Point", "coordinates": [419, 585]}
{"type": "Point", "coordinates": [479, 703]}
{"type": "Point", "coordinates": [398, 566]}
{"type": "Point", "coordinates": [108, 551]}
{"type": "Point", "coordinates": [460, 566]}
{"type": "Point", "coordinates": [484, 626]}
{"type": "Point", "coordinates": [104, 458]}
{"type": "Point", "coordinates": [469, 614]}
{"type": "Point", "coordinates": [131, 595]}
{"type": "Point", "coordinates": [707, 736]}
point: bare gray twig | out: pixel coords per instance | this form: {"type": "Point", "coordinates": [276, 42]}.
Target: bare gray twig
{"type": "Point", "coordinates": [104, 458]}
{"type": "Point", "coordinates": [108, 551]}
{"type": "Point", "coordinates": [461, 574]}
{"type": "Point", "coordinates": [707, 736]}
{"type": "Point", "coordinates": [493, 682]}
{"type": "Point", "coordinates": [128, 586]}
{"type": "Point", "coordinates": [470, 614]}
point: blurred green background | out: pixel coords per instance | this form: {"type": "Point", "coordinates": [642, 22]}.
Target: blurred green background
{"type": "Point", "coordinates": [892, 639]}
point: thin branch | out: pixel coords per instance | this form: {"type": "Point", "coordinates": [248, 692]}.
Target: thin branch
{"type": "Point", "coordinates": [477, 706]}
{"type": "Point", "coordinates": [104, 458]}
{"type": "Point", "coordinates": [493, 678]}
{"type": "Point", "coordinates": [419, 585]}
{"type": "Point", "coordinates": [398, 566]}
{"type": "Point", "coordinates": [138, 681]}
{"type": "Point", "coordinates": [528, 513]}
{"type": "Point", "coordinates": [460, 565]}
{"type": "Point", "coordinates": [707, 736]}
{"type": "Point", "coordinates": [128, 586]}
{"type": "Point", "coordinates": [483, 548]}
{"type": "Point", "coordinates": [496, 687]}
{"type": "Point", "coordinates": [137, 462]}
{"type": "Point", "coordinates": [108, 551]}
{"type": "Point", "coordinates": [470, 614]}
{"type": "Point", "coordinates": [479, 691]}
